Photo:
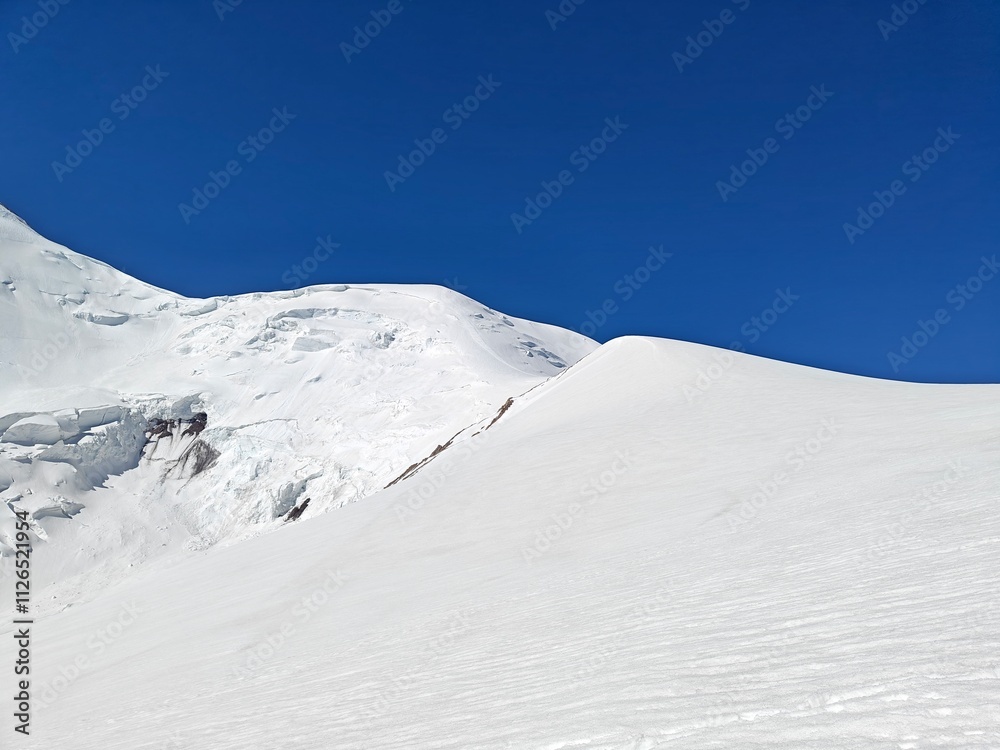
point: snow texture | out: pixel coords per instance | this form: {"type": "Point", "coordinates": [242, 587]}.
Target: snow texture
{"type": "Point", "coordinates": [634, 555]}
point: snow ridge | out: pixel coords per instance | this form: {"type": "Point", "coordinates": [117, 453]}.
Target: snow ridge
{"type": "Point", "coordinates": [559, 546]}
{"type": "Point", "coordinates": [13, 227]}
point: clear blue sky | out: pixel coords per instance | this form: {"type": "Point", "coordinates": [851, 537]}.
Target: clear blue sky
{"type": "Point", "coordinates": [884, 93]}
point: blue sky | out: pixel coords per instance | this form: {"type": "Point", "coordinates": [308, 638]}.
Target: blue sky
{"type": "Point", "coordinates": [702, 185]}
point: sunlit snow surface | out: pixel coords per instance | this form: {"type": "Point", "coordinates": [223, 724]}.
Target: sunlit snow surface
{"type": "Point", "coordinates": [790, 558]}
{"type": "Point", "coordinates": [329, 392]}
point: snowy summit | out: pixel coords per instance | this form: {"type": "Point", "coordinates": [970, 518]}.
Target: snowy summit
{"type": "Point", "coordinates": [363, 516]}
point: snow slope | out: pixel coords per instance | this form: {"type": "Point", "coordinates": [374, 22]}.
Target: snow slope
{"type": "Point", "coordinates": [328, 392]}
{"type": "Point", "coordinates": [791, 558]}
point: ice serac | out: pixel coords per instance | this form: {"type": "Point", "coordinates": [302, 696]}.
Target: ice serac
{"type": "Point", "coordinates": [328, 392]}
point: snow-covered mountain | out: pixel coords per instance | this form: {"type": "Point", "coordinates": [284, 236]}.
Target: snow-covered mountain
{"type": "Point", "coordinates": [329, 392]}
{"type": "Point", "coordinates": [664, 545]}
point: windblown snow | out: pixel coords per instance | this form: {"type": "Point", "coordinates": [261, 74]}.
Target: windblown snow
{"type": "Point", "coordinates": [515, 538]}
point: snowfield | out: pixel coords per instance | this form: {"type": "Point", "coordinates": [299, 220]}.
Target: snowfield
{"type": "Point", "coordinates": [629, 554]}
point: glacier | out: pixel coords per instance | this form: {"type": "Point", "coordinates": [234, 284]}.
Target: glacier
{"type": "Point", "coordinates": [516, 537]}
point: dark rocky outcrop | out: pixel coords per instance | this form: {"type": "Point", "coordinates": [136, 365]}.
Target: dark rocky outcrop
{"type": "Point", "coordinates": [297, 511]}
